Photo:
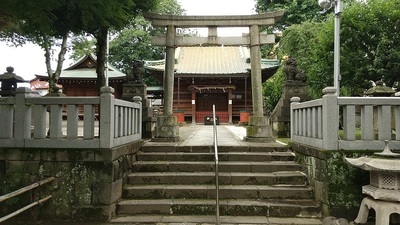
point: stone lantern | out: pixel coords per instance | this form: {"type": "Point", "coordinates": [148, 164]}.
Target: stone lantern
{"type": "Point", "coordinates": [384, 188]}
{"type": "Point", "coordinates": [380, 90]}
{"type": "Point", "coordinates": [9, 82]}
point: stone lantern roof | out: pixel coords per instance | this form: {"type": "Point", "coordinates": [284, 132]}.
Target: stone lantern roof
{"type": "Point", "coordinates": [380, 90]}
{"type": "Point", "coordinates": [11, 76]}
{"type": "Point", "coordinates": [9, 82]}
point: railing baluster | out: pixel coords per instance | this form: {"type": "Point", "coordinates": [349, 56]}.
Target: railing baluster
{"type": "Point", "coordinates": [72, 121]}
{"type": "Point", "coordinates": [384, 126]}
{"type": "Point", "coordinates": [39, 121]}
{"type": "Point", "coordinates": [88, 122]}
{"type": "Point", "coordinates": [56, 121]}
{"type": "Point", "coordinates": [367, 124]}
{"type": "Point", "coordinates": [349, 122]}
{"type": "Point", "coordinates": [6, 121]}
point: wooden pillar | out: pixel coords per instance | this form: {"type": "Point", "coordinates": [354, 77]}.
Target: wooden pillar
{"type": "Point", "coordinates": [193, 106]}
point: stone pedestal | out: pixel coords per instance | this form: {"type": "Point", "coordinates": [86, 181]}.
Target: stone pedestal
{"type": "Point", "coordinates": [280, 116]}
{"type": "Point", "coordinates": [135, 89]}
{"type": "Point", "coordinates": [148, 120]}
{"type": "Point", "coordinates": [167, 129]}
{"type": "Point", "coordinates": [259, 130]}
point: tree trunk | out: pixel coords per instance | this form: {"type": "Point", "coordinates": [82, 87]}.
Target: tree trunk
{"type": "Point", "coordinates": [54, 76]}
{"type": "Point", "coordinates": [101, 50]}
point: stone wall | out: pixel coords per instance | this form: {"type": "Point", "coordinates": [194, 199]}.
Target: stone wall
{"type": "Point", "coordinates": [336, 184]}
{"type": "Point", "coordinates": [87, 186]}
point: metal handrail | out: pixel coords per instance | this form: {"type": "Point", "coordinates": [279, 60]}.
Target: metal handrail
{"type": "Point", "coordinates": [216, 166]}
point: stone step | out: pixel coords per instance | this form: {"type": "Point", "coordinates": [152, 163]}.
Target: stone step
{"type": "Point", "coordinates": [202, 166]}
{"type": "Point", "coordinates": [209, 192]}
{"type": "Point", "coordinates": [271, 147]}
{"type": "Point", "coordinates": [222, 156]}
{"type": "Point", "coordinates": [233, 178]}
{"type": "Point", "coordinates": [211, 220]}
{"type": "Point", "coordinates": [228, 207]}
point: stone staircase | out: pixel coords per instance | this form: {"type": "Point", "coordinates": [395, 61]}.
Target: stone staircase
{"type": "Point", "coordinates": [258, 184]}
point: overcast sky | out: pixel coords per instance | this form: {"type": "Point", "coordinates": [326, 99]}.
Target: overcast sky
{"type": "Point", "coordinates": [29, 59]}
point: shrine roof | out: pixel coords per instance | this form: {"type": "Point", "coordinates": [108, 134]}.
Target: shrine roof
{"type": "Point", "coordinates": [85, 68]}
{"type": "Point", "coordinates": [203, 61]}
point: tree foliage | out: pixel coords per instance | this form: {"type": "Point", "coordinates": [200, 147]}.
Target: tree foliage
{"type": "Point", "coordinates": [99, 17]}
{"type": "Point", "coordinates": [41, 22]}
{"type": "Point", "coordinates": [371, 42]}
{"type": "Point", "coordinates": [296, 11]}
{"type": "Point", "coordinates": [134, 41]}
{"type": "Point", "coordinates": [370, 47]}
{"type": "Point", "coordinates": [272, 89]}
{"type": "Point", "coordinates": [46, 22]}
{"type": "Point", "coordinates": [82, 45]}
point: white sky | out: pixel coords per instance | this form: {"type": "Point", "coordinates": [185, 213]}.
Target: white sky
{"type": "Point", "coordinates": [29, 59]}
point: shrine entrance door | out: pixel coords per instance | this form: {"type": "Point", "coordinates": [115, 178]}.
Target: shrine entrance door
{"type": "Point", "coordinates": [204, 106]}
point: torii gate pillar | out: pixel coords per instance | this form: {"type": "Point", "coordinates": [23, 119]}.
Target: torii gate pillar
{"type": "Point", "coordinates": [167, 129]}
{"type": "Point", "coordinates": [259, 129]}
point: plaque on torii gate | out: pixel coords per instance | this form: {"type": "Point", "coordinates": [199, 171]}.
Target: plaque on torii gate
{"type": "Point", "coordinates": [167, 127]}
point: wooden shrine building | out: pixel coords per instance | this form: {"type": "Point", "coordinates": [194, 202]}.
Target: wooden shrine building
{"type": "Point", "coordinates": [205, 76]}
{"type": "Point", "coordinates": [80, 79]}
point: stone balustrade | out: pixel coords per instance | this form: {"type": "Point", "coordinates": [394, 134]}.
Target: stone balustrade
{"type": "Point", "coordinates": [366, 122]}
{"type": "Point", "coordinates": [99, 122]}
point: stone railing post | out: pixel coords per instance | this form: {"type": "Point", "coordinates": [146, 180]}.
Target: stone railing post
{"type": "Point", "coordinates": [293, 120]}
{"type": "Point", "coordinates": [22, 119]}
{"type": "Point", "coordinates": [106, 117]}
{"type": "Point", "coordinates": [138, 118]}
{"type": "Point", "coordinates": [330, 119]}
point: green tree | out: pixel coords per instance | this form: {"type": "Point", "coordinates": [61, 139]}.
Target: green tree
{"type": "Point", "coordinates": [272, 89]}
{"type": "Point", "coordinates": [371, 43]}
{"type": "Point", "coordinates": [82, 45]}
{"type": "Point", "coordinates": [370, 47]}
{"type": "Point", "coordinates": [48, 23]}
{"type": "Point", "coordinates": [134, 41]}
{"type": "Point", "coordinates": [296, 11]}
{"type": "Point", "coordinates": [42, 22]}
{"type": "Point", "coordinates": [99, 17]}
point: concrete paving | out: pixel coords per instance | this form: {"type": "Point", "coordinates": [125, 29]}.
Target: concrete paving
{"type": "Point", "coordinates": [203, 135]}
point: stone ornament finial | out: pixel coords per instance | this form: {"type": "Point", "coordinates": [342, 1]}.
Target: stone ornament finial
{"type": "Point", "coordinates": [387, 152]}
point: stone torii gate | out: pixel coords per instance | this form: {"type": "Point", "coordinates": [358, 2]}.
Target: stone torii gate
{"type": "Point", "coordinates": [167, 128]}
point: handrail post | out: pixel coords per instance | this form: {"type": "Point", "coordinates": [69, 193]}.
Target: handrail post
{"type": "Point", "coordinates": [330, 118]}
{"type": "Point", "coordinates": [22, 119]}
{"type": "Point", "coordinates": [139, 115]}
{"type": "Point", "coordinates": [216, 166]}
{"type": "Point", "coordinates": [293, 119]}
{"type": "Point", "coordinates": [106, 133]}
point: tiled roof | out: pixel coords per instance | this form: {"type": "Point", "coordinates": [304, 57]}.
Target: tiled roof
{"type": "Point", "coordinates": [75, 71]}
{"type": "Point", "coordinates": [211, 61]}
